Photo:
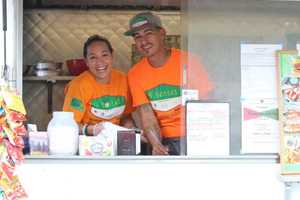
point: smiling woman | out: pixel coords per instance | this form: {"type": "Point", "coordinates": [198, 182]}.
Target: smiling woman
{"type": "Point", "coordinates": [101, 93]}
{"type": "Point", "coordinates": [98, 53]}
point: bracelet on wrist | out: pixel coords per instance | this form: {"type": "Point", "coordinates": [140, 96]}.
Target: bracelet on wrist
{"type": "Point", "coordinates": [84, 129]}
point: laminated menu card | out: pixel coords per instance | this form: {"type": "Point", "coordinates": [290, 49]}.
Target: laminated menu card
{"type": "Point", "coordinates": [207, 128]}
{"type": "Point", "coordinates": [288, 65]}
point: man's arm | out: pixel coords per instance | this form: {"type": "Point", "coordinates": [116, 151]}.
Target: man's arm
{"type": "Point", "coordinates": [151, 129]}
{"type": "Point", "coordinates": [127, 121]}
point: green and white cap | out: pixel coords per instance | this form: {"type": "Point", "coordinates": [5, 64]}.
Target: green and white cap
{"type": "Point", "coordinates": [142, 19]}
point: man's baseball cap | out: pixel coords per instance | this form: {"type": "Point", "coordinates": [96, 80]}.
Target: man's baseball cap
{"type": "Point", "coordinates": [142, 19]}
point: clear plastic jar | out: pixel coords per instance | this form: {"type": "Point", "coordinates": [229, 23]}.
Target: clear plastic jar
{"type": "Point", "coordinates": [63, 134]}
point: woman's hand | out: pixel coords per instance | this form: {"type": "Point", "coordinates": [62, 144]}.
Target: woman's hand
{"type": "Point", "coordinates": [97, 129]}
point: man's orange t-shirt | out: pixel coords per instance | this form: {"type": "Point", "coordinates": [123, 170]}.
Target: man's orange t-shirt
{"type": "Point", "coordinates": [93, 102]}
{"type": "Point", "coordinates": [161, 86]}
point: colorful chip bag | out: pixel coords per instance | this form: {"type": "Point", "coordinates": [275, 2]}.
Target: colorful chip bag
{"type": "Point", "coordinates": [12, 117]}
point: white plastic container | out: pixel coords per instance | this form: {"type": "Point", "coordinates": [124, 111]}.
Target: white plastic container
{"type": "Point", "coordinates": [63, 134]}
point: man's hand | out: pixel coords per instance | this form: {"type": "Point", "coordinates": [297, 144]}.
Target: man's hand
{"type": "Point", "coordinates": [159, 149]}
{"type": "Point", "coordinates": [151, 129]}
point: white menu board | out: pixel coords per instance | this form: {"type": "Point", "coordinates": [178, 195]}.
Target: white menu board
{"type": "Point", "coordinates": [207, 128]}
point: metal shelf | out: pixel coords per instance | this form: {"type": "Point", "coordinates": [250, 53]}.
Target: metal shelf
{"type": "Point", "coordinates": [48, 78]}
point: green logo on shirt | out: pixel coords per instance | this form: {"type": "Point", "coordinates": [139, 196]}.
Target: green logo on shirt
{"type": "Point", "coordinates": [108, 102]}
{"type": "Point", "coordinates": [163, 92]}
{"type": "Point", "coordinates": [77, 104]}
{"type": "Point", "coordinates": [107, 107]}
{"type": "Point", "coordinates": [164, 97]}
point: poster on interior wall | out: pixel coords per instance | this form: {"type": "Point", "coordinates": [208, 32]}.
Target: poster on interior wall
{"type": "Point", "coordinates": [258, 67]}
{"type": "Point", "coordinates": [289, 110]}
{"type": "Point", "coordinates": [260, 126]}
{"type": "Point", "coordinates": [207, 128]}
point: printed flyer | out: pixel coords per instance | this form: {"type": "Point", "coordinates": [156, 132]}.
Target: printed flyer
{"type": "Point", "coordinates": [260, 127]}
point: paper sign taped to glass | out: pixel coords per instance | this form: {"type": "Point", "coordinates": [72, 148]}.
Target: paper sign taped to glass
{"type": "Point", "coordinates": [106, 143]}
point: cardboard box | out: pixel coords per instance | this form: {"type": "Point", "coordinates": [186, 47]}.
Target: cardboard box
{"type": "Point", "coordinates": [38, 143]}
{"type": "Point", "coordinates": [96, 146]}
{"type": "Point", "coordinates": [128, 142]}
{"type": "Point", "coordinates": [106, 143]}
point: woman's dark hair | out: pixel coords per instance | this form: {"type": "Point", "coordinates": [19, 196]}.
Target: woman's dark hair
{"type": "Point", "coordinates": [96, 38]}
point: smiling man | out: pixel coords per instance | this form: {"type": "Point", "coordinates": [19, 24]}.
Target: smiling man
{"type": "Point", "coordinates": [155, 83]}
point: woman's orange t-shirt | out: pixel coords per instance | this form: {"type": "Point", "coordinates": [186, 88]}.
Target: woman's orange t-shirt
{"type": "Point", "coordinates": [93, 102]}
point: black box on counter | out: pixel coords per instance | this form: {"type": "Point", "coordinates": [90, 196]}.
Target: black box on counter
{"type": "Point", "coordinates": [127, 142]}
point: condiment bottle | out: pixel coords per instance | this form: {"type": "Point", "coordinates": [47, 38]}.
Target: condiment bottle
{"type": "Point", "coordinates": [63, 134]}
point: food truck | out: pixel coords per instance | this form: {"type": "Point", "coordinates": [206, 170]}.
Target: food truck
{"type": "Point", "coordinates": [238, 139]}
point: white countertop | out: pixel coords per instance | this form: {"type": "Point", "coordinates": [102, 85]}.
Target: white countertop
{"type": "Point", "coordinates": [155, 159]}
